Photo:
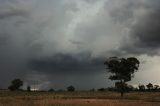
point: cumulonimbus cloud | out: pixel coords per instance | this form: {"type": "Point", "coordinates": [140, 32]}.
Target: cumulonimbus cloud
{"type": "Point", "coordinates": [73, 37]}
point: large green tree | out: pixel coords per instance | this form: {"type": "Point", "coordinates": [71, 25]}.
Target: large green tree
{"type": "Point", "coordinates": [122, 70]}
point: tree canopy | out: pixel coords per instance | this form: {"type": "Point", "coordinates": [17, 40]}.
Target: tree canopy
{"type": "Point", "coordinates": [122, 69]}
{"type": "Point", "coordinates": [15, 84]}
{"type": "Point", "coordinates": [71, 88]}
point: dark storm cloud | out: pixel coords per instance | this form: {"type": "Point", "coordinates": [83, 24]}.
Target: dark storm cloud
{"type": "Point", "coordinates": [142, 18]}
{"type": "Point", "coordinates": [68, 64]}
{"type": "Point", "coordinates": [67, 39]}
{"type": "Point", "coordinates": [9, 14]}
{"type": "Point", "coordinates": [147, 28]}
{"type": "Point", "coordinates": [33, 35]}
{"type": "Point", "coordinates": [122, 10]}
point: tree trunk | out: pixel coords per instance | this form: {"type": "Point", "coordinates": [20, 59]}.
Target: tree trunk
{"type": "Point", "coordinates": [122, 88]}
{"type": "Point", "coordinates": [122, 93]}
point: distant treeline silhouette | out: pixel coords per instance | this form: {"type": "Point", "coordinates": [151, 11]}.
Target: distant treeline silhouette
{"type": "Point", "coordinates": [144, 88]}
{"type": "Point", "coordinates": [17, 83]}
{"type": "Point", "coordinates": [122, 70]}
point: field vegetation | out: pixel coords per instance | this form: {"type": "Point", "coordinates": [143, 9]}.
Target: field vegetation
{"type": "Point", "coordinates": [83, 98]}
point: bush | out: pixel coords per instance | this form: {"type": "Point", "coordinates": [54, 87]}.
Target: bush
{"type": "Point", "coordinates": [28, 88]}
{"type": "Point", "coordinates": [51, 90]}
{"type": "Point", "coordinates": [70, 88]}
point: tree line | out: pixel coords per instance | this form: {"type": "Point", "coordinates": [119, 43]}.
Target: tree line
{"type": "Point", "coordinates": [16, 85]}
{"type": "Point", "coordinates": [122, 71]}
{"type": "Point", "coordinates": [129, 88]}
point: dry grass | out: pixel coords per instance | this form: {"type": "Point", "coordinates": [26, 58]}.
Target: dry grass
{"type": "Point", "coordinates": [78, 99]}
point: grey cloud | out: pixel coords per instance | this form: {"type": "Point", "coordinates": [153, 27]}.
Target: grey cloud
{"type": "Point", "coordinates": [14, 8]}
{"type": "Point", "coordinates": [141, 18]}
{"type": "Point", "coordinates": [12, 13]}
{"type": "Point", "coordinates": [122, 10]}
{"type": "Point", "coordinates": [68, 39]}
{"type": "Point", "coordinates": [31, 30]}
{"type": "Point", "coordinates": [68, 64]}
{"type": "Point", "coordinates": [146, 30]}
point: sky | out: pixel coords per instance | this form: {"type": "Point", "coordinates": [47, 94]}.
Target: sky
{"type": "Point", "coordinates": [57, 43]}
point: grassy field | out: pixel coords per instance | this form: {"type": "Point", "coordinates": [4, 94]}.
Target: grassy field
{"type": "Point", "coordinates": [78, 99]}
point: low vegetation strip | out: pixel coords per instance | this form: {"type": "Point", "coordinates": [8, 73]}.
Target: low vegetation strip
{"type": "Point", "coordinates": [72, 102]}
{"type": "Point", "coordinates": [84, 98]}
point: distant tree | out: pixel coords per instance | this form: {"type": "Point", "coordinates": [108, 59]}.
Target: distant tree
{"type": "Point", "coordinates": [141, 87]}
{"type": "Point", "coordinates": [28, 88]}
{"type": "Point", "coordinates": [129, 88]}
{"type": "Point", "coordinates": [112, 89]}
{"type": "Point", "coordinates": [15, 84]}
{"type": "Point", "coordinates": [51, 90]}
{"type": "Point", "coordinates": [149, 86]}
{"type": "Point", "coordinates": [122, 70]}
{"type": "Point", "coordinates": [156, 87]}
{"type": "Point", "coordinates": [11, 88]}
{"type": "Point", "coordinates": [101, 89]}
{"type": "Point", "coordinates": [71, 88]}
{"type": "Point", "coordinates": [60, 90]}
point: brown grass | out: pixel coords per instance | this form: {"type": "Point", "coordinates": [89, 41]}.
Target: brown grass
{"type": "Point", "coordinates": [78, 99]}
